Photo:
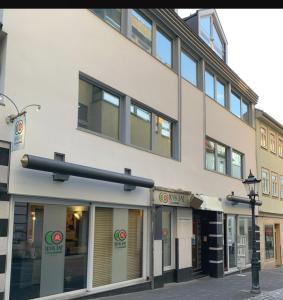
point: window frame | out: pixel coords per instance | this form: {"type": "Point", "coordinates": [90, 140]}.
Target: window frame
{"type": "Point", "coordinates": [111, 91]}
{"type": "Point", "coordinates": [268, 180]}
{"type": "Point", "coordinates": [158, 28]}
{"type": "Point", "coordinates": [216, 158]}
{"type": "Point", "coordinates": [280, 146]}
{"type": "Point", "coordinates": [281, 187]}
{"type": "Point", "coordinates": [270, 144]}
{"type": "Point", "coordinates": [266, 137]}
{"type": "Point", "coordinates": [276, 182]}
{"type": "Point", "coordinates": [242, 163]}
{"type": "Point", "coordinates": [121, 23]}
{"type": "Point", "coordinates": [194, 59]}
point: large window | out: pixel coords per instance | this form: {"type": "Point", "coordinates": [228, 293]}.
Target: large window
{"type": "Point", "coordinates": [274, 184]}
{"type": "Point", "coordinates": [265, 181]}
{"type": "Point", "coordinates": [163, 137]}
{"type": "Point", "coordinates": [236, 164]}
{"type": "Point", "coordinates": [235, 105]}
{"type": "Point", "coordinates": [210, 35]}
{"type": "Point", "coordinates": [118, 245]}
{"type": "Point", "coordinates": [263, 137]}
{"type": "Point", "coordinates": [98, 110]}
{"type": "Point", "coordinates": [188, 68]}
{"type": "Point", "coordinates": [140, 127]}
{"type": "Point", "coordinates": [209, 84]}
{"type": "Point", "coordinates": [245, 112]}
{"type": "Point", "coordinates": [163, 48]}
{"type": "Point", "coordinates": [49, 251]}
{"type": "Point", "coordinates": [111, 15]}
{"type": "Point", "coordinates": [216, 157]}
{"type": "Point", "coordinates": [141, 30]}
{"type": "Point", "coordinates": [269, 241]}
{"type": "Point", "coordinates": [272, 142]}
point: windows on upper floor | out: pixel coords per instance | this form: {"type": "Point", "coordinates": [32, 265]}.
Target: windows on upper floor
{"type": "Point", "coordinates": [239, 107]}
{"type": "Point", "coordinates": [280, 146]}
{"type": "Point", "coordinates": [223, 159]}
{"type": "Point", "coordinates": [272, 142]}
{"type": "Point", "coordinates": [274, 184]}
{"type": "Point", "coordinates": [263, 137]}
{"type": "Point", "coordinates": [164, 46]}
{"type": "Point", "coordinates": [210, 34]}
{"type": "Point", "coordinates": [188, 68]}
{"type": "Point", "coordinates": [265, 181]}
{"type": "Point", "coordinates": [110, 15]}
{"type": "Point", "coordinates": [103, 111]}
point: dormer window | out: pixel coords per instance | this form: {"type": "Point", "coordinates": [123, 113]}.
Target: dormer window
{"type": "Point", "coordinates": [209, 33]}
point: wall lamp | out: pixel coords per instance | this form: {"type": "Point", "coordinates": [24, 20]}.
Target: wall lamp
{"type": "Point", "coordinates": [11, 118]}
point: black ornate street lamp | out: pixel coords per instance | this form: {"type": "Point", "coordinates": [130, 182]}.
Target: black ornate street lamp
{"type": "Point", "coordinates": [251, 185]}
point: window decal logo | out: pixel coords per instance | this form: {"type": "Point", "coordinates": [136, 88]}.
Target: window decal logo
{"type": "Point", "coordinates": [120, 235]}
{"type": "Point", "coordinates": [53, 242]}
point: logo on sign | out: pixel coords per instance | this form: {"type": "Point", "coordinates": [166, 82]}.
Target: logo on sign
{"type": "Point", "coordinates": [53, 240]}
{"type": "Point", "coordinates": [19, 127]}
{"type": "Point", "coordinates": [120, 236]}
{"type": "Point", "coordinates": [164, 197]}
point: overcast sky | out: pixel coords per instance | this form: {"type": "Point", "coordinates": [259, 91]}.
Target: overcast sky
{"type": "Point", "coordinates": [255, 52]}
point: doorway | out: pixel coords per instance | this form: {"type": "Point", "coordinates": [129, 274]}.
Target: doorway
{"type": "Point", "coordinates": [200, 243]}
{"type": "Point", "coordinates": [278, 260]}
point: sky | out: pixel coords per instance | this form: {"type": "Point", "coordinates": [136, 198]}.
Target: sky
{"type": "Point", "coordinates": [255, 52]}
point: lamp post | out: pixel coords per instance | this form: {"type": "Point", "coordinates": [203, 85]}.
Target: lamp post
{"type": "Point", "coordinates": [251, 185]}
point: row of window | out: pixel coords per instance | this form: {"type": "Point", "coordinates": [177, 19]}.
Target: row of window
{"type": "Point", "coordinates": [143, 32]}
{"type": "Point", "coordinates": [265, 183]}
{"type": "Point", "coordinates": [103, 111]}
{"type": "Point", "coordinates": [223, 159]}
{"type": "Point", "coordinates": [216, 89]}
{"type": "Point", "coordinates": [273, 141]}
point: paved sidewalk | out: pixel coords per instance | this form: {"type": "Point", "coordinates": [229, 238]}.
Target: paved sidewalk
{"type": "Point", "coordinates": [232, 287]}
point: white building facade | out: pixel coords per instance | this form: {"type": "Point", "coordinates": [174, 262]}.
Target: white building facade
{"type": "Point", "coordinates": [123, 93]}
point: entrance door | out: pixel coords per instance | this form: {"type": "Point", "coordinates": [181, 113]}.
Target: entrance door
{"type": "Point", "coordinates": [277, 245]}
{"type": "Point", "coordinates": [200, 242]}
{"type": "Point", "coordinates": [231, 242]}
{"type": "Point", "coordinates": [49, 254]}
{"type": "Point", "coordinates": [168, 240]}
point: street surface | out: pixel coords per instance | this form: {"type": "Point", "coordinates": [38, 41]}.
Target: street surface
{"type": "Point", "coordinates": [231, 287]}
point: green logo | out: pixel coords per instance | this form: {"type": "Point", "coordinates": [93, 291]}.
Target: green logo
{"type": "Point", "coordinates": [120, 235]}
{"type": "Point", "coordinates": [164, 197]}
{"type": "Point", "coordinates": [54, 237]}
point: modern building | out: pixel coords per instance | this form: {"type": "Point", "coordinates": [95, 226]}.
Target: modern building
{"type": "Point", "coordinates": [270, 167]}
{"type": "Point", "coordinates": [122, 180]}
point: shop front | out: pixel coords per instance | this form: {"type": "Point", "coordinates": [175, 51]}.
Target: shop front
{"type": "Point", "coordinates": [172, 220]}
{"type": "Point", "coordinates": [75, 248]}
{"type": "Point", "coordinates": [237, 242]}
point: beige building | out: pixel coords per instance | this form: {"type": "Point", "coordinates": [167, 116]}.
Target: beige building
{"type": "Point", "coordinates": [270, 170]}
{"type": "Point", "coordinates": [130, 98]}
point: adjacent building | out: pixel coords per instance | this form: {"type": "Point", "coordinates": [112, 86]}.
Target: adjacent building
{"type": "Point", "coordinates": [270, 167]}
{"type": "Point", "coordinates": [122, 182]}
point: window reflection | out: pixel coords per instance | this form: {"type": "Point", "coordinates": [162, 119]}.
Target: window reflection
{"type": "Point", "coordinates": [141, 30]}
{"type": "Point", "coordinates": [163, 136]}
{"type": "Point", "coordinates": [140, 127]}
{"type": "Point", "coordinates": [235, 105]}
{"type": "Point", "coordinates": [110, 15]}
{"type": "Point", "coordinates": [163, 48]}
{"type": "Point", "coordinates": [209, 84]}
{"type": "Point", "coordinates": [188, 68]}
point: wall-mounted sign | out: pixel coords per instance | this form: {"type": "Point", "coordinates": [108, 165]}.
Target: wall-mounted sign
{"type": "Point", "coordinates": [53, 242]}
{"type": "Point", "coordinates": [171, 198]}
{"type": "Point", "coordinates": [120, 238]}
{"type": "Point", "coordinates": [18, 133]}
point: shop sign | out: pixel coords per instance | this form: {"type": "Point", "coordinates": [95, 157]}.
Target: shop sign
{"type": "Point", "coordinates": [18, 134]}
{"type": "Point", "coordinates": [120, 236]}
{"type": "Point", "coordinates": [53, 242]}
{"type": "Point", "coordinates": [172, 199]}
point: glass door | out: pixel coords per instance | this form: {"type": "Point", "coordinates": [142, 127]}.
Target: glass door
{"type": "Point", "coordinates": [197, 244]}
{"type": "Point", "coordinates": [49, 254]}
{"type": "Point", "coordinates": [167, 238]}
{"type": "Point", "coordinates": [232, 242]}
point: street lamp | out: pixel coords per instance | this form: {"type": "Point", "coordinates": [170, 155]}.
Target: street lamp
{"type": "Point", "coordinates": [11, 118]}
{"type": "Point", "coordinates": [251, 185]}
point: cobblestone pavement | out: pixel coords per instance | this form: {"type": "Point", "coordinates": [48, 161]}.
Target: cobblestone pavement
{"type": "Point", "coordinates": [273, 295]}
{"type": "Point", "coordinates": [231, 287]}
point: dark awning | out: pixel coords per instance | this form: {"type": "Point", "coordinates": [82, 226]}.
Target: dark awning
{"type": "Point", "coordinates": [61, 167]}
{"type": "Point", "coordinates": [243, 200]}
